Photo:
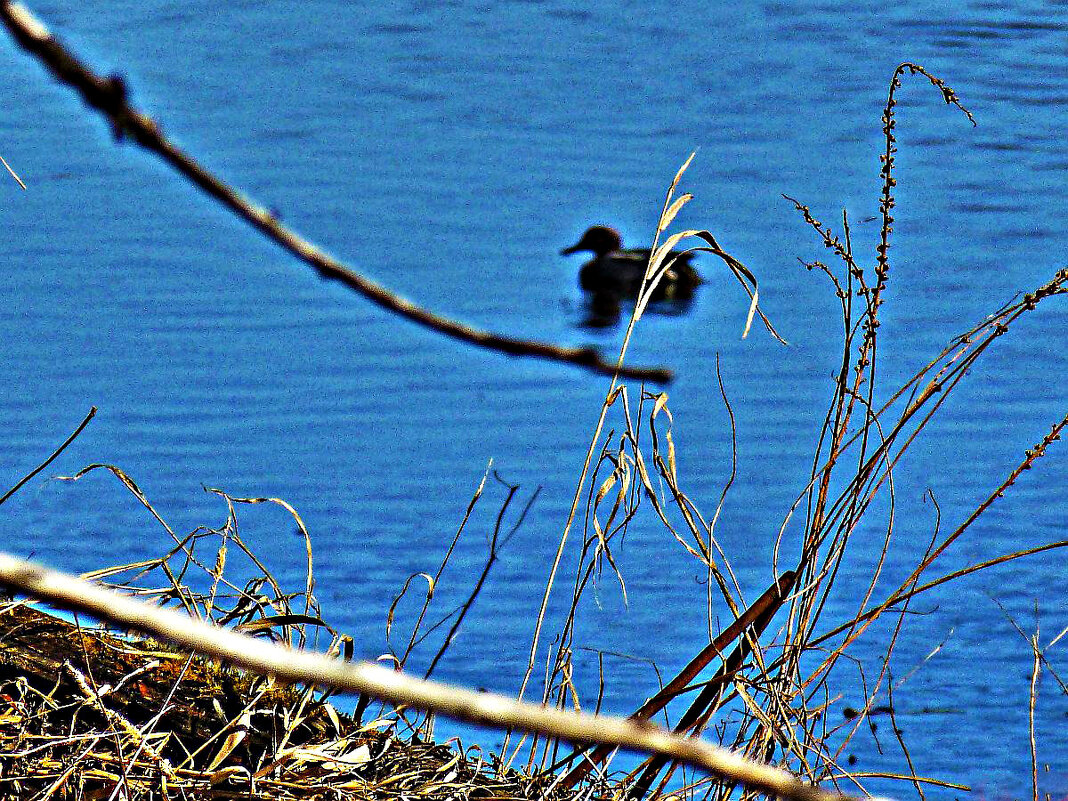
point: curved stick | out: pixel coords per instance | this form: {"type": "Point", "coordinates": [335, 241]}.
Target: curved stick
{"type": "Point", "coordinates": [109, 96]}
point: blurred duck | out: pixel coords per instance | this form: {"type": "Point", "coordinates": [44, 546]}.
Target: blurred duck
{"type": "Point", "coordinates": [617, 273]}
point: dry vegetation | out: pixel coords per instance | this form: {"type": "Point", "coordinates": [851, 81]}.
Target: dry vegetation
{"type": "Point", "coordinates": [765, 690]}
{"type": "Point", "coordinates": [90, 714]}
{"type": "Point", "coordinates": [85, 713]}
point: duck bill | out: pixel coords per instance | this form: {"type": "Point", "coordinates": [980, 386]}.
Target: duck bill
{"type": "Point", "coordinates": [573, 249]}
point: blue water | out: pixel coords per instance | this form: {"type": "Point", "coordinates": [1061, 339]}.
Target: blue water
{"type": "Point", "coordinates": [449, 152]}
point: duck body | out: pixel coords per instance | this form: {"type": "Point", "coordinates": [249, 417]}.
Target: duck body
{"type": "Point", "coordinates": [618, 272]}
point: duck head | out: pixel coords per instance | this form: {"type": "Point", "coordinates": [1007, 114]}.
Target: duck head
{"type": "Point", "coordinates": [599, 240]}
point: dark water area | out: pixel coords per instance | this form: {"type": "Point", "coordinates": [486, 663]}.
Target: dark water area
{"type": "Point", "coordinates": [449, 152]}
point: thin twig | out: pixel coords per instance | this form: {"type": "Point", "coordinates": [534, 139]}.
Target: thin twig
{"type": "Point", "coordinates": [12, 172]}
{"type": "Point", "coordinates": [433, 581]}
{"type": "Point", "coordinates": [50, 459]}
{"type": "Point", "coordinates": [1032, 697]}
{"type": "Point", "coordinates": [494, 554]}
{"type": "Point", "coordinates": [680, 684]}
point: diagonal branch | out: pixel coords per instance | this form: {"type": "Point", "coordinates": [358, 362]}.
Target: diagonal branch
{"type": "Point", "coordinates": [109, 96]}
{"type": "Point", "coordinates": [293, 666]}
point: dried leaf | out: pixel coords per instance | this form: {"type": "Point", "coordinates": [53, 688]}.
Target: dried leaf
{"type": "Point", "coordinates": [682, 169]}
{"type": "Point", "coordinates": [332, 756]}
{"type": "Point", "coordinates": [232, 741]}
{"type": "Point", "coordinates": [267, 623]}
{"type": "Point", "coordinates": [403, 592]}
{"type": "Point", "coordinates": [605, 487]}
{"type": "Point", "coordinates": [673, 209]}
{"type": "Point", "coordinates": [334, 719]}
{"type": "Point", "coordinates": [661, 402]}
{"type": "Point", "coordinates": [662, 251]}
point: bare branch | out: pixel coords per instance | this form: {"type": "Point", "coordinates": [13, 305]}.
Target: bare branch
{"type": "Point", "coordinates": [488, 709]}
{"type": "Point", "coordinates": [109, 96]}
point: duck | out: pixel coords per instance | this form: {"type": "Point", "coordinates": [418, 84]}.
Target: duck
{"type": "Point", "coordinates": [616, 272]}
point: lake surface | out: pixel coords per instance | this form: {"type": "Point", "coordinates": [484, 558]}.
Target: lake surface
{"type": "Point", "coordinates": [449, 151]}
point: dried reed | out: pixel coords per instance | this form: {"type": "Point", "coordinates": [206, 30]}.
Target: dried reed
{"type": "Point", "coordinates": [769, 695]}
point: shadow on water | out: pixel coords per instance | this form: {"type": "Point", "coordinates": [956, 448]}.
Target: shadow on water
{"type": "Point", "coordinates": [607, 309]}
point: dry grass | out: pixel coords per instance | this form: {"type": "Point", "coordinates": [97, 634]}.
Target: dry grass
{"type": "Point", "coordinates": [87, 713]}
{"type": "Point", "coordinates": [126, 718]}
